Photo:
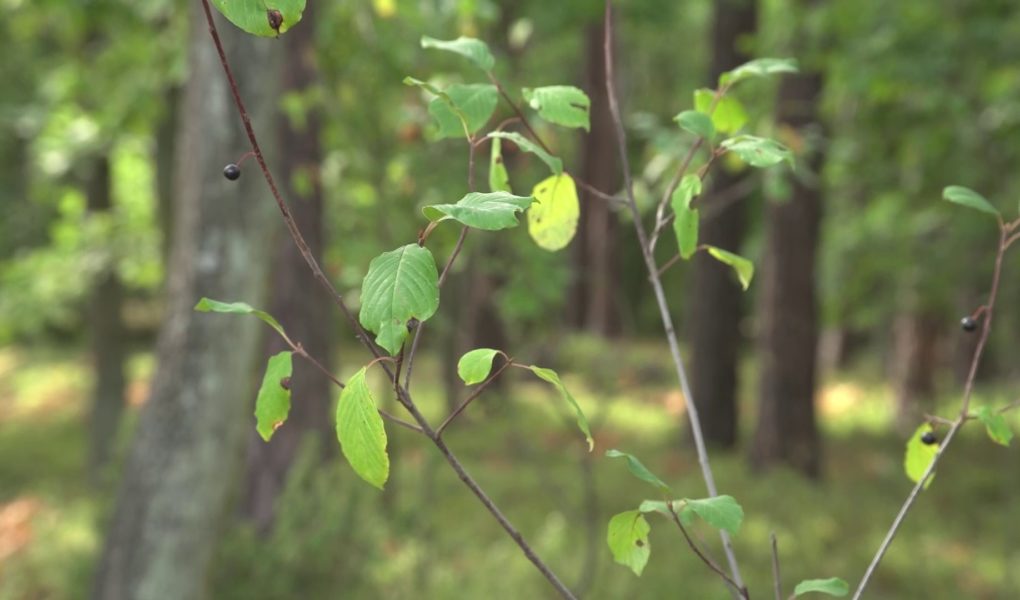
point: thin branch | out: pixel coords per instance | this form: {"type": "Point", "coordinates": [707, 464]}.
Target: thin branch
{"type": "Point", "coordinates": [968, 388]}
{"type": "Point", "coordinates": [517, 110]}
{"type": "Point", "coordinates": [660, 295]}
{"type": "Point", "coordinates": [777, 581]}
{"type": "Point", "coordinates": [741, 590]}
{"type": "Point", "coordinates": [478, 392]}
{"type": "Point", "coordinates": [594, 191]}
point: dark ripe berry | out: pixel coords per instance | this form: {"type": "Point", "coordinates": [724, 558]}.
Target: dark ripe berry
{"type": "Point", "coordinates": [275, 19]}
{"type": "Point", "coordinates": [928, 437]}
{"type": "Point", "coordinates": [968, 324]}
{"type": "Point", "coordinates": [285, 383]}
{"type": "Point", "coordinates": [232, 172]}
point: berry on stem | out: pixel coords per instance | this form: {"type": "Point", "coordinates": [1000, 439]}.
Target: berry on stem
{"type": "Point", "coordinates": [968, 324]}
{"type": "Point", "coordinates": [928, 437]}
{"type": "Point", "coordinates": [232, 172]}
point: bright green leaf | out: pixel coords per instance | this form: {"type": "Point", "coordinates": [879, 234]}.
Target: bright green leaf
{"type": "Point", "coordinates": [758, 151]}
{"type": "Point", "coordinates": [834, 586]}
{"type": "Point", "coordinates": [662, 507]}
{"type": "Point", "coordinates": [759, 67]}
{"type": "Point", "coordinates": [919, 455]}
{"type": "Point", "coordinates": [729, 114]}
{"type": "Point", "coordinates": [475, 50]}
{"type": "Point", "coordinates": [253, 15]}
{"type": "Point", "coordinates": [400, 285]}
{"type": "Point", "coordinates": [499, 179]}
{"type": "Point", "coordinates": [741, 266]}
{"type": "Point", "coordinates": [273, 402]}
{"type": "Point", "coordinates": [697, 123]}
{"type": "Point", "coordinates": [491, 211]}
{"type": "Point", "coordinates": [969, 198]}
{"type": "Point", "coordinates": [361, 433]}
{"type": "Point", "coordinates": [685, 221]}
{"type": "Point", "coordinates": [560, 104]}
{"type": "Point", "coordinates": [552, 221]}
{"type": "Point", "coordinates": [475, 366]}
{"type": "Point", "coordinates": [554, 163]}
{"type": "Point", "coordinates": [639, 470]}
{"type": "Point", "coordinates": [995, 425]}
{"type": "Point", "coordinates": [445, 99]}
{"type": "Point", "coordinates": [628, 540]}
{"type": "Point", "coordinates": [721, 512]}
{"type": "Point", "coordinates": [474, 103]}
{"type": "Point", "coordinates": [554, 378]}
{"type": "Point", "coordinates": [207, 305]}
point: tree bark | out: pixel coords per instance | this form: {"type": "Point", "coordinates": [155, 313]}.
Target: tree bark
{"type": "Point", "coordinates": [915, 338]}
{"type": "Point", "coordinates": [787, 308]}
{"type": "Point", "coordinates": [191, 431]}
{"type": "Point", "coordinates": [716, 298]}
{"type": "Point", "coordinates": [295, 299]}
{"type": "Point", "coordinates": [108, 338]}
{"type": "Point", "coordinates": [595, 307]}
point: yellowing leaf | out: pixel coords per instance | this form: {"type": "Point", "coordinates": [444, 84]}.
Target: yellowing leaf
{"type": "Point", "coordinates": [552, 220]}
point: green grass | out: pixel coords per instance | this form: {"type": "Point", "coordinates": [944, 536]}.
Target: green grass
{"type": "Point", "coordinates": [427, 537]}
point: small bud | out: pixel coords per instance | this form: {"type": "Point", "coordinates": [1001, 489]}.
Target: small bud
{"type": "Point", "coordinates": [412, 324]}
{"type": "Point", "coordinates": [232, 172]}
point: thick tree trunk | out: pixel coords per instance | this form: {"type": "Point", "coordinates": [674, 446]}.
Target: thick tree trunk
{"type": "Point", "coordinates": [716, 298]}
{"type": "Point", "coordinates": [915, 338]}
{"type": "Point", "coordinates": [295, 298]}
{"type": "Point", "coordinates": [108, 339]}
{"type": "Point", "coordinates": [187, 449]}
{"type": "Point", "coordinates": [787, 308]}
{"type": "Point", "coordinates": [595, 306]}
{"type": "Point", "coordinates": [165, 151]}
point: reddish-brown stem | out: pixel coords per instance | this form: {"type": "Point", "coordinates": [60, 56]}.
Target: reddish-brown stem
{"type": "Point", "coordinates": [517, 110]}
{"type": "Point", "coordinates": [776, 581]}
{"type": "Point", "coordinates": [705, 558]}
{"type": "Point", "coordinates": [478, 392]}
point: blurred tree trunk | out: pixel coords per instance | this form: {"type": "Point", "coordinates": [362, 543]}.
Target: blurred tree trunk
{"type": "Point", "coordinates": [108, 337]}
{"type": "Point", "coordinates": [787, 307]}
{"type": "Point", "coordinates": [166, 146]}
{"type": "Point", "coordinates": [295, 298]}
{"type": "Point", "coordinates": [716, 298]}
{"type": "Point", "coordinates": [595, 307]}
{"type": "Point", "coordinates": [191, 431]}
{"type": "Point", "coordinates": [915, 337]}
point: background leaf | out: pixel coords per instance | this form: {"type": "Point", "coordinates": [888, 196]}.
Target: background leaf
{"type": "Point", "coordinates": [759, 67]}
{"type": "Point", "coordinates": [491, 211]}
{"type": "Point", "coordinates": [743, 267]}
{"type": "Point", "coordinates": [729, 114]}
{"type": "Point", "coordinates": [995, 425]}
{"type": "Point", "coordinates": [475, 50]}
{"type": "Point", "coordinates": [240, 308]}
{"type": "Point", "coordinates": [958, 194]}
{"type": "Point", "coordinates": [475, 365]}
{"type": "Point", "coordinates": [639, 470]}
{"type": "Point", "coordinates": [273, 401]}
{"type": "Point", "coordinates": [628, 540]}
{"type": "Point", "coordinates": [251, 15]}
{"type": "Point", "coordinates": [834, 586]}
{"type": "Point", "coordinates": [697, 123]}
{"type": "Point", "coordinates": [552, 221]}
{"type": "Point", "coordinates": [758, 151]}
{"type": "Point", "coordinates": [554, 378]}
{"type": "Point", "coordinates": [400, 284]}
{"type": "Point", "coordinates": [554, 163]}
{"type": "Point", "coordinates": [359, 427]}
{"type": "Point", "coordinates": [563, 105]}
{"type": "Point", "coordinates": [919, 455]}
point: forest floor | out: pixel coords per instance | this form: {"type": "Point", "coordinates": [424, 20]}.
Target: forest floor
{"type": "Point", "coordinates": [426, 538]}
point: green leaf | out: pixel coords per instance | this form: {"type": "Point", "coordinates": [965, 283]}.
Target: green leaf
{"type": "Point", "coordinates": [967, 197]}
{"type": "Point", "coordinates": [685, 222]}
{"type": "Point", "coordinates": [833, 586]}
{"type": "Point", "coordinates": [253, 15]}
{"type": "Point", "coordinates": [554, 378]}
{"type": "Point", "coordinates": [499, 179]}
{"type": "Point", "coordinates": [759, 67]}
{"type": "Point", "coordinates": [474, 103]}
{"type": "Point", "coordinates": [628, 540]}
{"type": "Point", "coordinates": [491, 211]}
{"type": "Point", "coordinates": [662, 507]}
{"type": "Point", "coordinates": [207, 305]}
{"type": "Point", "coordinates": [995, 426]}
{"type": "Point", "coordinates": [919, 455]}
{"type": "Point", "coordinates": [563, 105]}
{"type": "Point", "coordinates": [552, 221]}
{"type": "Point", "coordinates": [729, 114]}
{"type": "Point", "coordinates": [475, 366]}
{"type": "Point", "coordinates": [697, 123]}
{"type": "Point", "coordinates": [758, 151]}
{"type": "Point", "coordinates": [639, 470]}
{"type": "Point", "coordinates": [400, 285]}
{"type": "Point", "coordinates": [475, 50]}
{"type": "Point", "coordinates": [361, 433]}
{"type": "Point", "coordinates": [743, 267]}
{"type": "Point", "coordinates": [555, 164]}
{"type": "Point", "coordinates": [444, 98]}
{"type": "Point", "coordinates": [273, 402]}
{"type": "Point", "coordinates": [721, 512]}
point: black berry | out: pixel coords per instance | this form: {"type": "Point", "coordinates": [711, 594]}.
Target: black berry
{"type": "Point", "coordinates": [968, 324]}
{"type": "Point", "coordinates": [232, 172]}
{"type": "Point", "coordinates": [928, 437]}
{"type": "Point", "coordinates": [275, 19]}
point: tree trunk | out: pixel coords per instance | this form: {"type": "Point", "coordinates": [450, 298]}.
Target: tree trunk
{"type": "Point", "coordinates": [787, 308]}
{"type": "Point", "coordinates": [596, 261]}
{"type": "Point", "coordinates": [295, 298]}
{"type": "Point", "coordinates": [191, 431]}
{"type": "Point", "coordinates": [915, 338]}
{"type": "Point", "coordinates": [166, 138]}
{"type": "Point", "coordinates": [716, 298]}
{"type": "Point", "coordinates": [108, 339]}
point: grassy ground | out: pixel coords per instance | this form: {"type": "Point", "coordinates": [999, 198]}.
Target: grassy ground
{"type": "Point", "coordinates": [426, 537]}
